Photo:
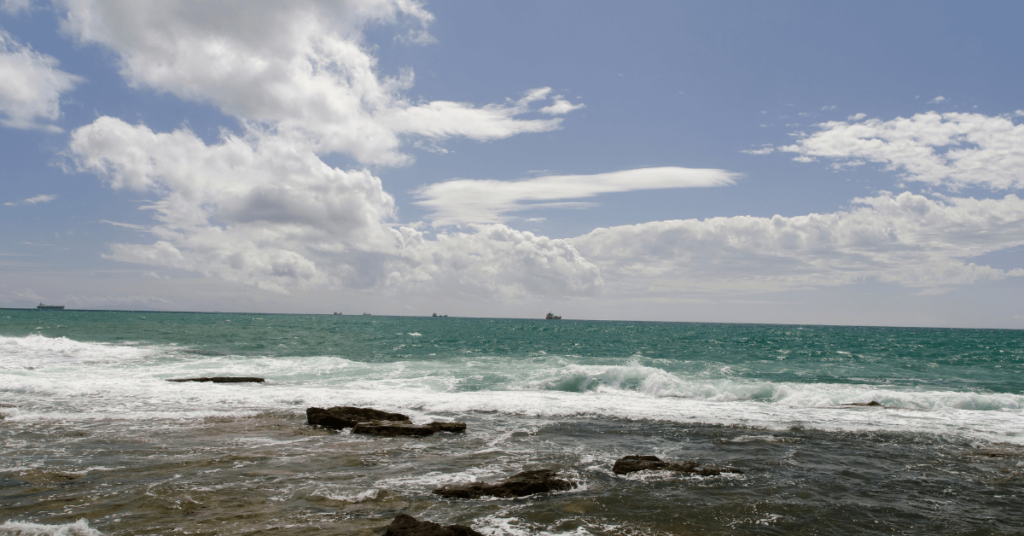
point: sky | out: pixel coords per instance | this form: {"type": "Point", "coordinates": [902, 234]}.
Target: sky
{"type": "Point", "coordinates": [746, 161]}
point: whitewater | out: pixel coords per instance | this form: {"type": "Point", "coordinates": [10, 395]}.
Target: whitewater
{"type": "Point", "coordinates": [95, 440]}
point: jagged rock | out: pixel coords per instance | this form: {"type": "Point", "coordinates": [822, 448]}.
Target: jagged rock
{"type": "Point", "coordinates": [340, 417]}
{"type": "Point", "coordinates": [404, 525]}
{"type": "Point", "coordinates": [520, 485]}
{"type": "Point", "coordinates": [222, 379]}
{"type": "Point", "coordinates": [631, 464]}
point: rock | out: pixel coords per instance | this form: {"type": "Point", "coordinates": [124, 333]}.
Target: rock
{"type": "Point", "coordinates": [632, 464]}
{"type": "Point", "coordinates": [453, 427]}
{"type": "Point", "coordinates": [404, 525]}
{"type": "Point", "coordinates": [520, 485]}
{"type": "Point", "coordinates": [871, 404]}
{"type": "Point", "coordinates": [392, 429]}
{"type": "Point", "coordinates": [340, 417]}
{"type": "Point", "coordinates": [222, 379]}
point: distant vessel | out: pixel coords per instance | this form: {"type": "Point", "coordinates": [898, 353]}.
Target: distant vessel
{"type": "Point", "coordinates": [552, 317]}
{"type": "Point", "coordinates": [50, 307]}
{"type": "Point", "coordinates": [440, 316]}
{"type": "Point", "coordinates": [367, 314]}
{"type": "Point", "coordinates": [337, 314]}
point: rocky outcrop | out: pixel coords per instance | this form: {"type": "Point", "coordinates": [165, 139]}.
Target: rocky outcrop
{"type": "Point", "coordinates": [520, 485]}
{"type": "Point", "coordinates": [451, 427]}
{"type": "Point", "coordinates": [632, 464]}
{"type": "Point", "coordinates": [340, 417]}
{"type": "Point", "coordinates": [404, 525]}
{"type": "Point", "coordinates": [222, 379]}
{"type": "Point", "coordinates": [375, 422]}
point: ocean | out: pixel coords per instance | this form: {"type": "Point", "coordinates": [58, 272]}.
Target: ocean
{"type": "Point", "coordinates": [94, 440]}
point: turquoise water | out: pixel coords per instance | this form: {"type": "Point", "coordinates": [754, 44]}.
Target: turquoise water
{"type": "Point", "coordinates": [87, 412]}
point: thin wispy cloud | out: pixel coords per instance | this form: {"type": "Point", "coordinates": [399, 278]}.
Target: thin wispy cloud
{"type": "Point", "coordinates": [42, 198]}
{"type": "Point", "coordinates": [466, 201]}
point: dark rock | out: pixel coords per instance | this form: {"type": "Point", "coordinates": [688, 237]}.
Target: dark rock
{"type": "Point", "coordinates": [391, 429]}
{"type": "Point", "coordinates": [404, 525]}
{"type": "Point", "coordinates": [453, 427]}
{"type": "Point", "coordinates": [222, 379]}
{"type": "Point", "coordinates": [632, 464]}
{"type": "Point", "coordinates": [520, 485]}
{"type": "Point", "coordinates": [871, 404]}
{"type": "Point", "coordinates": [347, 416]}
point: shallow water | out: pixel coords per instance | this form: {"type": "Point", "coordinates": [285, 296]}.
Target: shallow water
{"type": "Point", "coordinates": [92, 432]}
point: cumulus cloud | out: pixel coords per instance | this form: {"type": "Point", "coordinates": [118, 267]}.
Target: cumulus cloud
{"type": "Point", "coordinates": [264, 210]}
{"type": "Point", "coordinates": [906, 239]}
{"type": "Point", "coordinates": [30, 85]}
{"type": "Point", "coordinates": [954, 149]}
{"type": "Point", "coordinates": [41, 198]}
{"type": "Point", "coordinates": [937, 100]}
{"type": "Point", "coordinates": [301, 67]}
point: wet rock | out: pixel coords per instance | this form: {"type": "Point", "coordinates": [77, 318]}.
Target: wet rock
{"type": "Point", "coordinates": [340, 417]}
{"type": "Point", "coordinates": [404, 525]}
{"type": "Point", "coordinates": [871, 404]}
{"type": "Point", "coordinates": [452, 427]}
{"type": "Point", "coordinates": [520, 485]}
{"type": "Point", "coordinates": [632, 464]}
{"type": "Point", "coordinates": [222, 379]}
{"type": "Point", "coordinates": [392, 429]}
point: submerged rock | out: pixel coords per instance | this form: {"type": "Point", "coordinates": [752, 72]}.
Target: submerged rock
{"type": "Point", "coordinates": [632, 464]}
{"type": "Point", "coordinates": [520, 485]}
{"type": "Point", "coordinates": [222, 379]}
{"type": "Point", "coordinates": [404, 525]}
{"type": "Point", "coordinates": [340, 417]}
{"type": "Point", "coordinates": [871, 404]}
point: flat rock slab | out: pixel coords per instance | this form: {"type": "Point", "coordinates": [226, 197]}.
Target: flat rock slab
{"type": "Point", "coordinates": [520, 485]}
{"type": "Point", "coordinates": [393, 429]}
{"type": "Point", "coordinates": [222, 379]}
{"type": "Point", "coordinates": [404, 525]}
{"type": "Point", "coordinates": [632, 464]}
{"type": "Point", "coordinates": [340, 417]}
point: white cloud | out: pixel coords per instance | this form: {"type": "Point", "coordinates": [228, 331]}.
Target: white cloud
{"type": "Point", "coordinates": [489, 201]}
{"type": "Point", "coordinates": [763, 150]}
{"type": "Point", "coordinates": [264, 210]}
{"type": "Point", "coordinates": [30, 86]}
{"type": "Point", "coordinates": [856, 117]}
{"type": "Point", "coordinates": [827, 108]}
{"type": "Point", "coordinates": [14, 6]}
{"type": "Point", "coordinates": [561, 106]}
{"type": "Point", "coordinates": [905, 239]}
{"type": "Point", "coordinates": [42, 198]}
{"type": "Point", "coordinates": [301, 67]}
{"type": "Point", "coordinates": [953, 149]}
{"type": "Point", "coordinates": [937, 100]}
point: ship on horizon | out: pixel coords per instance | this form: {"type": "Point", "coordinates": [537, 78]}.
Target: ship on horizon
{"type": "Point", "coordinates": [552, 317]}
{"type": "Point", "coordinates": [50, 307]}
